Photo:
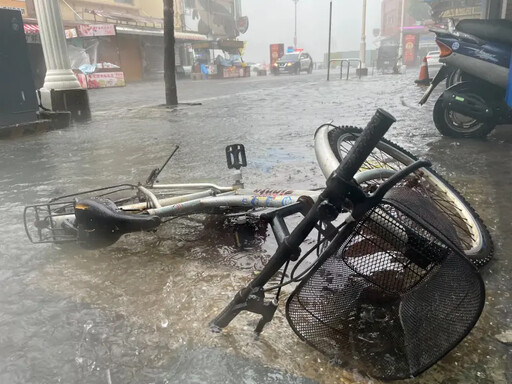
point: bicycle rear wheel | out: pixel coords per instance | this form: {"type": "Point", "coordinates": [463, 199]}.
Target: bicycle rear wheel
{"type": "Point", "coordinates": [474, 236]}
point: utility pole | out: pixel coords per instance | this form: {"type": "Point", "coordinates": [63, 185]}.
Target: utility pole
{"type": "Point", "coordinates": [171, 91]}
{"type": "Point", "coordinates": [362, 52]}
{"type": "Point", "coordinates": [401, 42]}
{"type": "Point", "coordinates": [329, 47]}
{"type": "Point", "coordinates": [295, 36]}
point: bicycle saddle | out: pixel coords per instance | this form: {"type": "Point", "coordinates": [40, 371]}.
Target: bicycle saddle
{"type": "Point", "coordinates": [101, 223]}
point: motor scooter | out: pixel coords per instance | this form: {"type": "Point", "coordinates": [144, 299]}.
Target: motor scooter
{"type": "Point", "coordinates": [477, 54]}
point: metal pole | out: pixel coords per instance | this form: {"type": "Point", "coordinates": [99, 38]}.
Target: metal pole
{"type": "Point", "coordinates": [329, 48]}
{"type": "Point", "coordinates": [400, 43]}
{"type": "Point", "coordinates": [362, 52]}
{"type": "Point", "coordinates": [295, 35]}
{"type": "Point", "coordinates": [171, 91]}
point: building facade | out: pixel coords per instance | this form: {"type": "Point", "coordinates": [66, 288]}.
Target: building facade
{"type": "Point", "coordinates": [417, 40]}
{"type": "Point", "coordinates": [391, 13]}
{"type": "Point", "coordinates": [124, 38]}
{"type": "Point", "coordinates": [507, 9]}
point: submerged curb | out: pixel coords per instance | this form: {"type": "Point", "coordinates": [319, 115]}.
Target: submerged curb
{"type": "Point", "coordinates": [48, 121]}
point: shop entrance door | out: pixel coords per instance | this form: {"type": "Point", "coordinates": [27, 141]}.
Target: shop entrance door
{"type": "Point", "coordinates": [130, 56]}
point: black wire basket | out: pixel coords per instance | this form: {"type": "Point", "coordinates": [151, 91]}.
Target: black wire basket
{"type": "Point", "coordinates": [396, 297]}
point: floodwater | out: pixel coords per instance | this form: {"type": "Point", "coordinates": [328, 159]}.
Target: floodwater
{"type": "Point", "coordinates": [138, 311]}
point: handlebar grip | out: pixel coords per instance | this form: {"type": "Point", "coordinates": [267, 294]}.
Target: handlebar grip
{"type": "Point", "coordinates": [364, 145]}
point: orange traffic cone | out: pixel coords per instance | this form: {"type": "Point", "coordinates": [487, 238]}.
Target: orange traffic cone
{"type": "Point", "coordinates": [424, 79]}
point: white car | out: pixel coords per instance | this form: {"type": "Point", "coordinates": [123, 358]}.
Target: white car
{"type": "Point", "coordinates": [433, 59]}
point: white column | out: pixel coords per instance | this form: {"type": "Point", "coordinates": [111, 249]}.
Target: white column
{"type": "Point", "coordinates": [59, 75]}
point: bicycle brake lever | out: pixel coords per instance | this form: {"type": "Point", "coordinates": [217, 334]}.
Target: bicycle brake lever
{"type": "Point", "coordinates": [397, 177]}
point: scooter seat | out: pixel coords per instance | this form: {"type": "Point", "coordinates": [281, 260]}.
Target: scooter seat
{"type": "Point", "coordinates": [490, 30]}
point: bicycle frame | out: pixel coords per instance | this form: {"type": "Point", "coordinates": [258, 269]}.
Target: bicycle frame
{"type": "Point", "coordinates": [177, 200]}
{"type": "Point", "coordinates": [174, 200]}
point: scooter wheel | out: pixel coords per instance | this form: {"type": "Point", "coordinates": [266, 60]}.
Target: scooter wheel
{"type": "Point", "coordinates": [454, 124]}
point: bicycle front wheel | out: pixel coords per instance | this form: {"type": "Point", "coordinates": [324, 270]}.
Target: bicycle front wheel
{"type": "Point", "coordinates": [474, 236]}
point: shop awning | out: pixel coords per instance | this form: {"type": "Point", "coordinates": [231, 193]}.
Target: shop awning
{"type": "Point", "coordinates": [183, 36]}
{"type": "Point", "coordinates": [33, 29]}
{"type": "Point", "coordinates": [225, 45]}
{"type": "Point", "coordinates": [189, 36]}
{"type": "Point", "coordinates": [125, 17]}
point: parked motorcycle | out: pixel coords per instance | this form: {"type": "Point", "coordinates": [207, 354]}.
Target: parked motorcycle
{"type": "Point", "coordinates": [476, 54]}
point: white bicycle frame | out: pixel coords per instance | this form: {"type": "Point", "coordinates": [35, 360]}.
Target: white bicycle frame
{"type": "Point", "coordinates": [190, 198]}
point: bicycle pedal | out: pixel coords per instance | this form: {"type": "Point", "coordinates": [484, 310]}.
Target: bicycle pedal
{"type": "Point", "coordinates": [235, 156]}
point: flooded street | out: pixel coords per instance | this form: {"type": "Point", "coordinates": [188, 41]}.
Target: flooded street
{"type": "Point", "coordinates": [138, 311]}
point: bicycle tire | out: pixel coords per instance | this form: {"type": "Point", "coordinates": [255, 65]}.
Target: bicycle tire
{"type": "Point", "coordinates": [475, 238]}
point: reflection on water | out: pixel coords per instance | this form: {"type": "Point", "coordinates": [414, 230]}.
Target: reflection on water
{"type": "Point", "coordinates": [138, 311]}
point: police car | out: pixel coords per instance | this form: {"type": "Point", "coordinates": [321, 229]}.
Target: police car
{"type": "Point", "coordinates": [293, 63]}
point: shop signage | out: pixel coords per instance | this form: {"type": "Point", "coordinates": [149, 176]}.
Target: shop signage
{"type": "Point", "coordinates": [242, 24]}
{"type": "Point", "coordinates": [230, 44]}
{"type": "Point", "coordinates": [71, 33]}
{"type": "Point", "coordinates": [105, 79]}
{"type": "Point", "coordinates": [89, 30]}
{"type": "Point", "coordinates": [468, 12]}
{"type": "Point", "coordinates": [231, 72]}
{"type": "Point", "coordinates": [201, 45]}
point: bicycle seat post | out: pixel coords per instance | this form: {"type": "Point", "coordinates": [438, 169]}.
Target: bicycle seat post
{"type": "Point", "coordinates": [235, 157]}
{"type": "Point", "coordinates": [237, 179]}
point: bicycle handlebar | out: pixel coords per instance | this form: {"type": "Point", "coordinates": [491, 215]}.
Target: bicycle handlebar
{"type": "Point", "coordinates": [364, 145]}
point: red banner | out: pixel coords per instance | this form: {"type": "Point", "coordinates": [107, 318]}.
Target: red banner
{"type": "Point", "coordinates": [410, 49]}
{"type": "Point", "coordinates": [276, 51]}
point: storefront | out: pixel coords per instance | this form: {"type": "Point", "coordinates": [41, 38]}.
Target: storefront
{"type": "Point", "coordinates": [219, 59]}
{"type": "Point", "coordinates": [110, 55]}
{"type": "Point", "coordinates": [151, 46]}
{"type": "Point", "coordinates": [95, 56]}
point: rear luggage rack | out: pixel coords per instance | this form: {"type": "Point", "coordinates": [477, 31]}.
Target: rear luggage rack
{"type": "Point", "coordinates": [50, 223]}
{"type": "Point", "coordinates": [54, 221]}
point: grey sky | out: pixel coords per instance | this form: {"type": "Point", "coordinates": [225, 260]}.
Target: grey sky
{"type": "Point", "coordinates": [272, 21]}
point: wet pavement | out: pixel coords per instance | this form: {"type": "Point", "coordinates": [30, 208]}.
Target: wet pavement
{"type": "Point", "coordinates": [137, 312]}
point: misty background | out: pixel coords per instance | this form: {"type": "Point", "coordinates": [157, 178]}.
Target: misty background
{"type": "Point", "coordinates": [272, 21]}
